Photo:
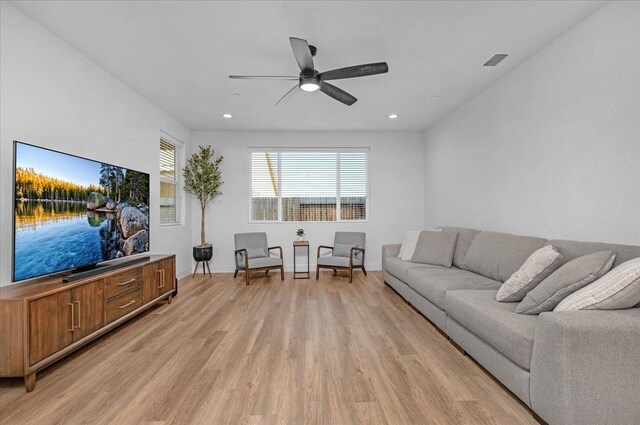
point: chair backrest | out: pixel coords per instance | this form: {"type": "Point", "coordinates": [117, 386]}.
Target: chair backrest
{"type": "Point", "coordinates": [251, 240]}
{"type": "Point", "coordinates": [350, 238]}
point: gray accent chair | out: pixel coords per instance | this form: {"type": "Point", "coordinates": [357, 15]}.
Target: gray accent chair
{"type": "Point", "coordinates": [253, 254]}
{"type": "Point", "coordinates": [348, 260]}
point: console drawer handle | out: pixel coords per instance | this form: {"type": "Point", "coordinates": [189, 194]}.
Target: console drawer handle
{"type": "Point", "coordinates": [127, 282]}
{"type": "Point", "coordinates": [127, 304]}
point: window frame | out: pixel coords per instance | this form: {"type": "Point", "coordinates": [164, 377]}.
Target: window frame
{"type": "Point", "coordinates": [177, 182]}
{"type": "Point", "coordinates": [337, 151]}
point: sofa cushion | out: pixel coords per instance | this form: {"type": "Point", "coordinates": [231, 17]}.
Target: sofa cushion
{"type": "Point", "coordinates": [465, 237]}
{"type": "Point", "coordinates": [499, 255]}
{"type": "Point", "coordinates": [435, 248]}
{"type": "Point", "coordinates": [572, 276]}
{"type": "Point", "coordinates": [616, 290]}
{"type": "Point", "coordinates": [495, 323]}
{"type": "Point", "coordinates": [400, 269]}
{"type": "Point", "coordinates": [435, 282]}
{"type": "Point", "coordinates": [537, 268]}
{"type": "Point", "coordinates": [408, 246]}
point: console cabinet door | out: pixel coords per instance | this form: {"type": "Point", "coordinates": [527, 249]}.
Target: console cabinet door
{"type": "Point", "coordinates": [50, 325]}
{"type": "Point", "coordinates": [88, 303]}
{"type": "Point", "coordinates": [167, 276]}
{"type": "Point", "coordinates": [151, 275]}
{"type": "Point", "coordinates": [159, 278]}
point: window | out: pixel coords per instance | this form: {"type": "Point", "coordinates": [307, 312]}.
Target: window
{"type": "Point", "coordinates": [171, 192]}
{"type": "Point", "coordinates": [309, 185]}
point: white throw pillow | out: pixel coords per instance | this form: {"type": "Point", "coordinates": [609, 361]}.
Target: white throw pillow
{"type": "Point", "coordinates": [409, 245]}
{"type": "Point", "coordinates": [537, 268]}
{"type": "Point", "coordinates": [616, 290]}
{"type": "Point", "coordinates": [411, 239]}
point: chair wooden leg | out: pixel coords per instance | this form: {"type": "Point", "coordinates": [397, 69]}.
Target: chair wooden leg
{"type": "Point", "coordinates": [335, 271]}
{"type": "Point", "coordinates": [235, 274]}
{"type": "Point", "coordinates": [350, 274]}
{"type": "Point", "coordinates": [266, 272]}
{"type": "Point", "coordinates": [246, 277]}
{"type": "Point", "coordinates": [281, 272]}
{"type": "Point", "coordinates": [363, 269]}
{"type": "Point", "coordinates": [317, 272]}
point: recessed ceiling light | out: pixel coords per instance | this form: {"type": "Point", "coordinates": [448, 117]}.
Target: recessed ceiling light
{"type": "Point", "coordinates": [236, 94]}
{"type": "Point", "coordinates": [227, 116]}
{"type": "Point", "coordinates": [435, 97]}
{"type": "Point", "coordinates": [393, 116]}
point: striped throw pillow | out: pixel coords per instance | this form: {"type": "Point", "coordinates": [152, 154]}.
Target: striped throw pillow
{"type": "Point", "coordinates": [618, 289]}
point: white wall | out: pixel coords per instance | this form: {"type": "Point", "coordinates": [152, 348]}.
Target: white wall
{"type": "Point", "coordinates": [553, 148]}
{"type": "Point", "coordinates": [396, 180]}
{"type": "Point", "coordinates": [53, 96]}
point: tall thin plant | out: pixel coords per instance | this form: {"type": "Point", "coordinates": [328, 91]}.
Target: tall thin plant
{"type": "Point", "coordinates": [202, 179]}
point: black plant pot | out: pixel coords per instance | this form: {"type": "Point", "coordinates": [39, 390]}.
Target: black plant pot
{"type": "Point", "coordinates": [202, 253]}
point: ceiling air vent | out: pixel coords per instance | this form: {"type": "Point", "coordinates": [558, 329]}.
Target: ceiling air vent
{"type": "Point", "coordinates": [496, 59]}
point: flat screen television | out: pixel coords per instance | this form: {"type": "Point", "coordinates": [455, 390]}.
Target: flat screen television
{"type": "Point", "coordinates": [73, 213]}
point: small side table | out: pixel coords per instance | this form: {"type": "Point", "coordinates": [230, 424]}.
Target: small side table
{"type": "Point", "coordinates": [300, 245]}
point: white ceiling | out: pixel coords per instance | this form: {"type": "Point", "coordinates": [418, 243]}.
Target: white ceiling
{"type": "Point", "coordinates": [178, 54]}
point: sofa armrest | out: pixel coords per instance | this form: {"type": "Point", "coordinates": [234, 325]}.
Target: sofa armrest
{"type": "Point", "coordinates": [390, 250]}
{"type": "Point", "coordinates": [585, 367]}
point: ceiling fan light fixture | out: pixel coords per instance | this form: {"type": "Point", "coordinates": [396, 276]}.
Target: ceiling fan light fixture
{"type": "Point", "coordinates": [309, 87]}
{"type": "Point", "coordinates": [309, 84]}
{"type": "Point", "coordinates": [311, 80]}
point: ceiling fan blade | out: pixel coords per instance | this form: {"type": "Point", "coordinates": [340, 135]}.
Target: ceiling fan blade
{"type": "Point", "coordinates": [288, 95]}
{"type": "Point", "coordinates": [302, 54]}
{"type": "Point", "coordinates": [263, 77]}
{"type": "Point", "coordinates": [338, 94]}
{"type": "Point", "coordinates": [355, 71]}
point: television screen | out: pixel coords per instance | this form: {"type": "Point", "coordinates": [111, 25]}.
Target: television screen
{"type": "Point", "coordinates": [72, 212]}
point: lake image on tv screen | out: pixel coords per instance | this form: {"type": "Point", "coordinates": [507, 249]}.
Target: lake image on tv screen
{"type": "Point", "coordinates": [72, 212]}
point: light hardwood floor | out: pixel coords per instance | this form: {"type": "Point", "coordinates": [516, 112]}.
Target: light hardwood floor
{"type": "Point", "coordinates": [292, 352]}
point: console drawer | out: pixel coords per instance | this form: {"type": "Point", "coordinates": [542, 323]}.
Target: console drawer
{"type": "Point", "coordinates": [122, 282]}
{"type": "Point", "coordinates": [123, 304]}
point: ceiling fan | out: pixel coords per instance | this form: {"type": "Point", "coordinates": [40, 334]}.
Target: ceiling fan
{"type": "Point", "coordinates": [310, 79]}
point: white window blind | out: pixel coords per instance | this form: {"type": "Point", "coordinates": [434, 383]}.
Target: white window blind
{"type": "Point", "coordinates": [264, 186]}
{"type": "Point", "coordinates": [354, 202]}
{"type": "Point", "coordinates": [308, 185]}
{"type": "Point", "coordinates": [171, 191]}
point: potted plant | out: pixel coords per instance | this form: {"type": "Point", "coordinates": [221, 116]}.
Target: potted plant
{"type": "Point", "coordinates": [300, 233]}
{"type": "Point", "coordinates": [202, 179]}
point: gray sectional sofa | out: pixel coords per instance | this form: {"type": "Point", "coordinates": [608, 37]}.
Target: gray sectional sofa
{"type": "Point", "coordinates": [578, 367]}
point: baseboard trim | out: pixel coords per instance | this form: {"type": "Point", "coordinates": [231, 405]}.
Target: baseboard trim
{"type": "Point", "coordinates": [230, 268]}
